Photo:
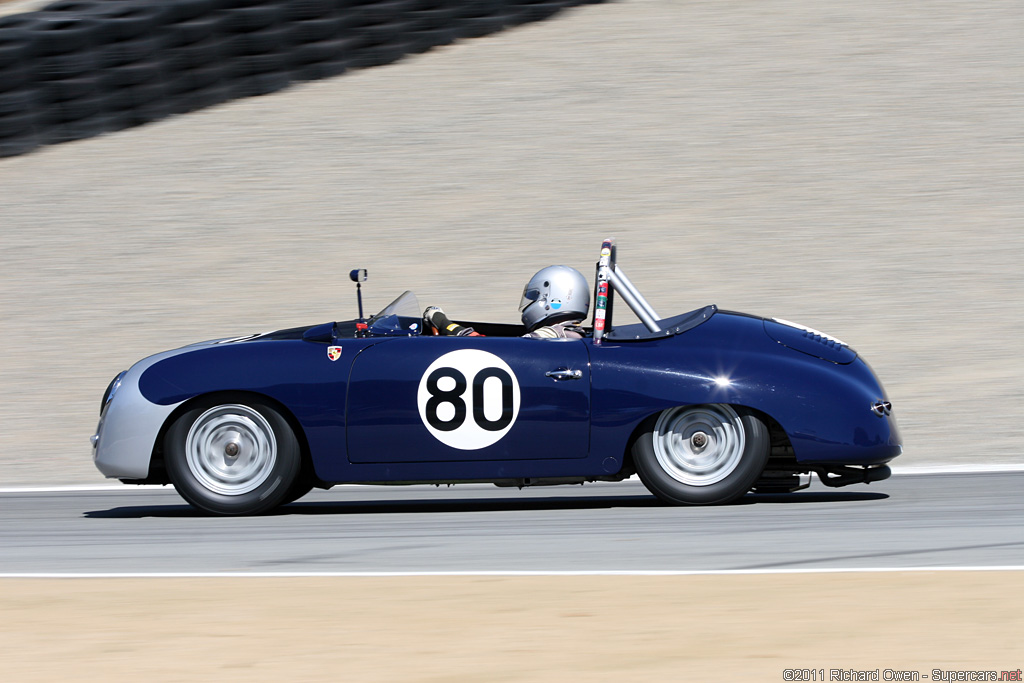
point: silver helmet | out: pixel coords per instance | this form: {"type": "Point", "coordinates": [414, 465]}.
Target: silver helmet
{"type": "Point", "coordinates": [555, 294]}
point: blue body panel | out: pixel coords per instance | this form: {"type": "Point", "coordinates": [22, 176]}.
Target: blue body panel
{"type": "Point", "coordinates": [360, 418]}
{"type": "Point", "coordinates": [296, 374]}
{"type": "Point", "coordinates": [824, 407]}
{"type": "Point", "coordinates": [384, 424]}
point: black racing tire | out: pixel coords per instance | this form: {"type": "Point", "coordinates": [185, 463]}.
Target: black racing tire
{"type": "Point", "coordinates": [14, 76]}
{"type": "Point", "coordinates": [427, 19]}
{"type": "Point", "coordinates": [176, 82]}
{"type": "Point", "coordinates": [209, 96]}
{"type": "Point", "coordinates": [245, 66]}
{"type": "Point", "coordinates": [132, 74]}
{"type": "Point", "coordinates": [271, 39]}
{"type": "Point", "coordinates": [379, 55]}
{"type": "Point", "coordinates": [702, 454]}
{"type": "Point", "coordinates": [55, 67]}
{"type": "Point", "coordinates": [231, 4]}
{"type": "Point", "coordinates": [206, 76]}
{"type": "Point", "coordinates": [475, 27]}
{"type": "Point", "coordinates": [70, 88]}
{"type": "Point", "coordinates": [517, 15]}
{"type": "Point", "coordinates": [15, 47]}
{"type": "Point", "coordinates": [147, 112]}
{"type": "Point", "coordinates": [374, 35]}
{"type": "Point", "coordinates": [19, 101]}
{"type": "Point", "coordinates": [129, 51]}
{"type": "Point", "coordinates": [481, 8]}
{"type": "Point", "coordinates": [382, 12]}
{"type": "Point", "coordinates": [302, 10]}
{"type": "Point", "coordinates": [186, 10]}
{"type": "Point", "coordinates": [194, 30]}
{"type": "Point", "coordinates": [81, 108]}
{"type": "Point", "coordinates": [253, 17]}
{"type": "Point", "coordinates": [127, 21]}
{"type": "Point", "coordinates": [80, 129]}
{"type": "Point", "coordinates": [425, 40]}
{"type": "Point", "coordinates": [182, 103]}
{"type": "Point", "coordinates": [317, 70]}
{"type": "Point", "coordinates": [234, 456]}
{"type": "Point", "coordinates": [194, 100]}
{"type": "Point", "coordinates": [393, 31]}
{"type": "Point", "coordinates": [262, 83]}
{"type": "Point", "coordinates": [17, 39]}
{"type": "Point", "coordinates": [75, 6]}
{"type": "Point", "coordinates": [538, 11]}
{"type": "Point", "coordinates": [17, 124]}
{"type": "Point", "coordinates": [56, 35]}
{"type": "Point", "coordinates": [315, 30]}
{"type": "Point", "coordinates": [196, 54]}
{"type": "Point", "coordinates": [15, 146]}
{"type": "Point", "coordinates": [304, 483]}
{"type": "Point", "coordinates": [322, 50]}
{"type": "Point", "coordinates": [133, 97]}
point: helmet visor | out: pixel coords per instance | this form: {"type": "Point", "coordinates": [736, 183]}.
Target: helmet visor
{"type": "Point", "coordinates": [530, 294]}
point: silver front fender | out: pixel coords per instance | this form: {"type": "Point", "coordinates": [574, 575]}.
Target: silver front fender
{"type": "Point", "coordinates": [130, 424]}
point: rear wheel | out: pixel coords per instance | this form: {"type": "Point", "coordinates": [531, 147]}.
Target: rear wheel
{"type": "Point", "coordinates": [701, 455]}
{"type": "Point", "coordinates": [305, 483]}
{"type": "Point", "coordinates": [233, 458]}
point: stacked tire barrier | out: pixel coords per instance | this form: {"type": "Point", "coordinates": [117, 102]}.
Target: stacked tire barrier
{"type": "Point", "coordinates": [79, 68]}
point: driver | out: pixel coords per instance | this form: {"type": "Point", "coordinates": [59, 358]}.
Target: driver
{"type": "Point", "coordinates": [555, 302]}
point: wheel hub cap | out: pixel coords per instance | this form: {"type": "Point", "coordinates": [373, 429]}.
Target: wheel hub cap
{"type": "Point", "coordinates": [231, 449]}
{"type": "Point", "coordinates": [699, 445]}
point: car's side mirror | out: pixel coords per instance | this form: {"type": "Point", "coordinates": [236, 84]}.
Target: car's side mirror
{"type": "Point", "coordinates": [358, 276]}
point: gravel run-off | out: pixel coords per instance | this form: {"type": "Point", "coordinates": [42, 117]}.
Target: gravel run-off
{"type": "Point", "coordinates": [856, 167]}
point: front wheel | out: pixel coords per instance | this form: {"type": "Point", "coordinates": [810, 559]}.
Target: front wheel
{"type": "Point", "coordinates": [233, 458]}
{"type": "Point", "coordinates": [701, 455]}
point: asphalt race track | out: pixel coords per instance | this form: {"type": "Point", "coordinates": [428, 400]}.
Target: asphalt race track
{"type": "Point", "coordinates": [908, 521]}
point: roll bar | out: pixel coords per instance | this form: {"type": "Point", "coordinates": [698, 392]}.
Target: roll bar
{"type": "Point", "coordinates": [611, 279]}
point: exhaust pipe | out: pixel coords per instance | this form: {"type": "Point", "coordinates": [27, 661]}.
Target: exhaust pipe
{"type": "Point", "coordinates": [845, 475]}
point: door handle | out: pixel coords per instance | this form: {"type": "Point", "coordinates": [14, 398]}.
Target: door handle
{"type": "Point", "coordinates": [563, 373]}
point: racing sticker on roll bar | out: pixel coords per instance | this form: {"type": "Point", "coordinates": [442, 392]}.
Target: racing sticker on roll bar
{"type": "Point", "coordinates": [611, 278]}
{"type": "Point", "coordinates": [603, 275]}
{"type": "Point", "coordinates": [468, 399]}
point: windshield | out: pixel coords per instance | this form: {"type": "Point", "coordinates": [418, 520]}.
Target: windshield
{"type": "Point", "coordinates": [406, 305]}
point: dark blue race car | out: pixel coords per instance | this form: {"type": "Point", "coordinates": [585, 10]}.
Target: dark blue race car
{"type": "Point", "coordinates": [703, 406]}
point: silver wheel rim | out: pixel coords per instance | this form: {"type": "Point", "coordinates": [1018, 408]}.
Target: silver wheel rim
{"type": "Point", "coordinates": [231, 449]}
{"type": "Point", "coordinates": [699, 445]}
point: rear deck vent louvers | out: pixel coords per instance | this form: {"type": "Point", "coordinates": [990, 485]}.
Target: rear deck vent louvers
{"type": "Point", "coordinates": [822, 339]}
{"type": "Point", "coordinates": [815, 335]}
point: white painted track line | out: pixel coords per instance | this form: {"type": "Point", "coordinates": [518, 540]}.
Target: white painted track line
{"type": "Point", "coordinates": [78, 488]}
{"type": "Point", "coordinates": [610, 572]}
{"type": "Point", "coordinates": [899, 470]}
{"type": "Point", "coordinates": [958, 469]}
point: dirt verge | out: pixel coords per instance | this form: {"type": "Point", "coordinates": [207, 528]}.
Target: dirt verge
{"type": "Point", "coordinates": [702, 628]}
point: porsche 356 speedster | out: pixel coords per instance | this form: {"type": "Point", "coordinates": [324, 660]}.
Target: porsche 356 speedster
{"type": "Point", "coordinates": [704, 406]}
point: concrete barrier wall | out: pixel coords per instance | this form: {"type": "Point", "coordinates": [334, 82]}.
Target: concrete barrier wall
{"type": "Point", "coordinates": [79, 68]}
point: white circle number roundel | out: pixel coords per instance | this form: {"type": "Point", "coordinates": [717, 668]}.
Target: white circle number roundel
{"type": "Point", "coordinates": [468, 399]}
